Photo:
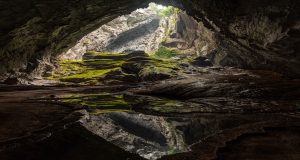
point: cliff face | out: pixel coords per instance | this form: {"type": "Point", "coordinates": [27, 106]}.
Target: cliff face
{"type": "Point", "coordinates": [34, 32]}
{"type": "Point", "coordinates": [190, 36]}
{"type": "Point", "coordinates": [260, 34]}
{"type": "Point", "coordinates": [145, 30]}
{"type": "Point", "coordinates": [254, 34]}
{"type": "Point", "coordinates": [142, 30]}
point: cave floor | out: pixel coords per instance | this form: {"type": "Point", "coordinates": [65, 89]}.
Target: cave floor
{"type": "Point", "coordinates": [223, 113]}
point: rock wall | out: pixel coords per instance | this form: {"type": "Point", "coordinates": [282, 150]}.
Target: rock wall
{"type": "Point", "coordinates": [141, 30]}
{"type": "Point", "coordinates": [253, 34]}
{"type": "Point", "coordinates": [145, 30]}
{"type": "Point", "coordinates": [190, 36]}
{"type": "Point", "coordinates": [260, 34]}
{"type": "Point", "coordinates": [33, 33]}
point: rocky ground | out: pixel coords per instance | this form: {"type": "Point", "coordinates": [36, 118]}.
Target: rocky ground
{"type": "Point", "coordinates": [136, 106]}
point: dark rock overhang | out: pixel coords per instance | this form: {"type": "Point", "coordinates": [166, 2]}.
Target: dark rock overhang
{"type": "Point", "coordinates": [259, 34]}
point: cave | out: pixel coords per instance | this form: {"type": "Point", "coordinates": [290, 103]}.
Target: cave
{"type": "Point", "coordinates": [152, 79]}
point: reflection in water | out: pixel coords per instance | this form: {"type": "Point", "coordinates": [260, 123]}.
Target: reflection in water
{"type": "Point", "coordinates": [155, 136]}
{"type": "Point", "coordinates": [149, 136]}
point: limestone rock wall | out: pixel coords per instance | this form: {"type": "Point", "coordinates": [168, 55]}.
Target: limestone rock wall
{"type": "Point", "coordinates": [145, 30]}
{"type": "Point", "coordinates": [255, 34]}
{"type": "Point", "coordinates": [140, 30]}
{"type": "Point", "coordinates": [33, 33]}
{"type": "Point", "coordinates": [190, 36]}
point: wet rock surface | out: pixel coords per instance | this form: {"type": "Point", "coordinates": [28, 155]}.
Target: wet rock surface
{"type": "Point", "coordinates": [202, 62]}
{"type": "Point", "coordinates": [149, 136]}
{"type": "Point", "coordinates": [72, 142]}
{"type": "Point", "coordinates": [207, 115]}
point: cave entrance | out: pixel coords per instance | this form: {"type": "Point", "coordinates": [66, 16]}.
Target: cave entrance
{"type": "Point", "coordinates": [149, 44]}
{"type": "Point", "coordinates": [145, 29]}
{"type": "Point", "coordinates": [143, 82]}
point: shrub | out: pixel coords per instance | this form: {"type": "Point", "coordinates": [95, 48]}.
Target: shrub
{"type": "Point", "coordinates": [163, 11]}
{"type": "Point", "coordinates": [164, 52]}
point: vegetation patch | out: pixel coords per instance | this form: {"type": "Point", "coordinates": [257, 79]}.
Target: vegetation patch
{"type": "Point", "coordinates": [99, 103]}
{"type": "Point", "coordinates": [165, 52]}
{"type": "Point", "coordinates": [101, 111]}
{"type": "Point", "coordinates": [90, 70]}
{"type": "Point", "coordinates": [161, 105]}
{"type": "Point", "coordinates": [109, 68]}
{"type": "Point", "coordinates": [104, 54]}
{"type": "Point", "coordinates": [85, 75]}
{"type": "Point", "coordinates": [165, 106]}
{"type": "Point", "coordinates": [163, 11]}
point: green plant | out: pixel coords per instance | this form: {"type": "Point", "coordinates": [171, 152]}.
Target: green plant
{"type": "Point", "coordinates": [99, 103]}
{"type": "Point", "coordinates": [166, 12]}
{"type": "Point", "coordinates": [164, 52]}
{"type": "Point", "coordinates": [162, 10]}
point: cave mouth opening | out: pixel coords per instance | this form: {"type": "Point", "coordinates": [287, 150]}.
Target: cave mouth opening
{"type": "Point", "coordinates": [149, 44]}
{"type": "Point", "coordinates": [145, 29]}
{"type": "Point", "coordinates": [145, 103]}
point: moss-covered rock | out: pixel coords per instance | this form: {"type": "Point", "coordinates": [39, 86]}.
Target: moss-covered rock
{"type": "Point", "coordinates": [88, 71]}
{"type": "Point", "coordinates": [119, 75]}
{"type": "Point", "coordinates": [152, 73]}
{"type": "Point", "coordinates": [165, 52]}
{"type": "Point", "coordinates": [111, 68]}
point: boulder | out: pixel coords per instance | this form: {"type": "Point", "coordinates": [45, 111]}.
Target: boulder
{"type": "Point", "coordinates": [202, 62]}
{"type": "Point", "coordinates": [151, 73]}
{"type": "Point", "coordinates": [15, 81]}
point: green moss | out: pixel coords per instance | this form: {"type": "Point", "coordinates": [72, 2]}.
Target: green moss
{"type": "Point", "coordinates": [165, 105]}
{"type": "Point", "coordinates": [98, 101]}
{"type": "Point", "coordinates": [157, 69]}
{"type": "Point", "coordinates": [111, 63]}
{"type": "Point", "coordinates": [163, 11]}
{"type": "Point", "coordinates": [70, 65]}
{"type": "Point", "coordinates": [172, 151]}
{"type": "Point", "coordinates": [102, 68]}
{"type": "Point", "coordinates": [164, 63]}
{"type": "Point", "coordinates": [167, 67]}
{"type": "Point", "coordinates": [92, 53]}
{"type": "Point", "coordinates": [78, 96]}
{"type": "Point", "coordinates": [167, 12]}
{"type": "Point", "coordinates": [164, 52]}
{"type": "Point", "coordinates": [176, 10]}
{"type": "Point", "coordinates": [154, 73]}
{"type": "Point", "coordinates": [72, 100]}
{"type": "Point", "coordinates": [98, 111]}
{"type": "Point", "coordinates": [85, 75]}
{"type": "Point", "coordinates": [93, 82]}
{"type": "Point", "coordinates": [67, 66]}
{"type": "Point", "coordinates": [88, 71]}
{"type": "Point", "coordinates": [104, 54]}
